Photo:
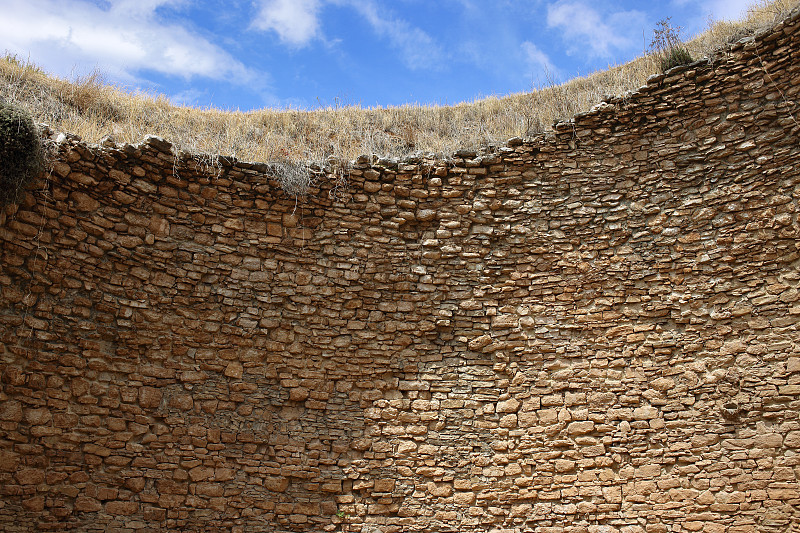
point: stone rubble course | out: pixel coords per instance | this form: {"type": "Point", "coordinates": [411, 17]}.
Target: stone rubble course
{"type": "Point", "coordinates": [590, 331]}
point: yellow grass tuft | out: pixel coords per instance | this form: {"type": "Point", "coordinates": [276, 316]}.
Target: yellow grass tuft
{"type": "Point", "coordinates": [92, 109]}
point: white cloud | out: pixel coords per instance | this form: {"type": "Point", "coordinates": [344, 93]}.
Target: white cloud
{"type": "Point", "coordinates": [189, 97]}
{"type": "Point", "coordinates": [718, 9]}
{"type": "Point", "coordinates": [726, 9]}
{"type": "Point", "coordinates": [418, 50]}
{"type": "Point", "coordinates": [537, 59]}
{"type": "Point", "coordinates": [590, 34]}
{"type": "Point", "coordinates": [295, 21]}
{"type": "Point", "coordinates": [122, 40]}
{"type": "Point", "coordinates": [138, 8]}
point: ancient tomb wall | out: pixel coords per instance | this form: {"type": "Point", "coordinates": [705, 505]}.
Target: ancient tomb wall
{"type": "Point", "coordinates": [593, 330]}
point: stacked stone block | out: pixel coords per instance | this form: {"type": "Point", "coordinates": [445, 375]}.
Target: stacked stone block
{"type": "Point", "coordinates": [593, 330]}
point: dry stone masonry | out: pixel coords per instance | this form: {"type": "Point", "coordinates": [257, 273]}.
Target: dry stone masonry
{"type": "Point", "coordinates": [591, 331]}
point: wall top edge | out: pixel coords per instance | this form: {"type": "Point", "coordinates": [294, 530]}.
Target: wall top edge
{"type": "Point", "coordinates": [562, 131]}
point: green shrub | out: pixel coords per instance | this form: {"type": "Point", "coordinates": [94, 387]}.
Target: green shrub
{"type": "Point", "coordinates": [676, 56]}
{"type": "Point", "coordinates": [21, 153]}
{"type": "Point", "coordinates": [667, 46]}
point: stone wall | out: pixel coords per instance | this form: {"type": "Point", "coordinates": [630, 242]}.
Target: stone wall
{"type": "Point", "coordinates": [595, 330]}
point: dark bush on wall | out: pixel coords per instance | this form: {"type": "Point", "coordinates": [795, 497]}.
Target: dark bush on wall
{"type": "Point", "coordinates": [21, 153]}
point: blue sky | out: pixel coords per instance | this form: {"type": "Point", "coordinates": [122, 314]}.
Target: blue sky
{"type": "Point", "coordinates": [250, 54]}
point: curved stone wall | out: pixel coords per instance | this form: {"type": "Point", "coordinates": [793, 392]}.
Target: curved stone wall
{"type": "Point", "coordinates": [591, 331]}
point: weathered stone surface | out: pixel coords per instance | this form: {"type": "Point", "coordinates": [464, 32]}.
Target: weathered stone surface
{"type": "Point", "coordinates": [150, 397]}
{"type": "Point", "coordinates": [11, 411]}
{"type": "Point", "coordinates": [122, 508]}
{"type": "Point", "coordinates": [508, 406]}
{"type": "Point", "coordinates": [589, 331]}
{"type": "Point", "coordinates": [87, 505]}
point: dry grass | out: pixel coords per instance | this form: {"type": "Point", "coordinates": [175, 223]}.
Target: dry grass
{"type": "Point", "coordinates": [90, 108]}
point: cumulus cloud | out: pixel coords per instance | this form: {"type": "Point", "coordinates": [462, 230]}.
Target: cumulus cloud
{"type": "Point", "coordinates": [295, 21]}
{"type": "Point", "coordinates": [589, 33]}
{"type": "Point", "coordinates": [123, 38]}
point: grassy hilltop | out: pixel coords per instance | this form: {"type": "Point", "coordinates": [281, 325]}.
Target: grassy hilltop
{"type": "Point", "coordinates": [93, 110]}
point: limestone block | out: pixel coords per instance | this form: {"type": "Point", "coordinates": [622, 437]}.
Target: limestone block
{"type": "Point", "coordinates": [150, 397]}
{"type": "Point", "coordinates": [11, 411]}
{"type": "Point", "coordinates": [580, 428]}
{"type": "Point", "coordinates": [87, 505]}
{"type": "Point", "coordinates": [508, 406]}
{"type": "Point", "coordinates": [122, 508]}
